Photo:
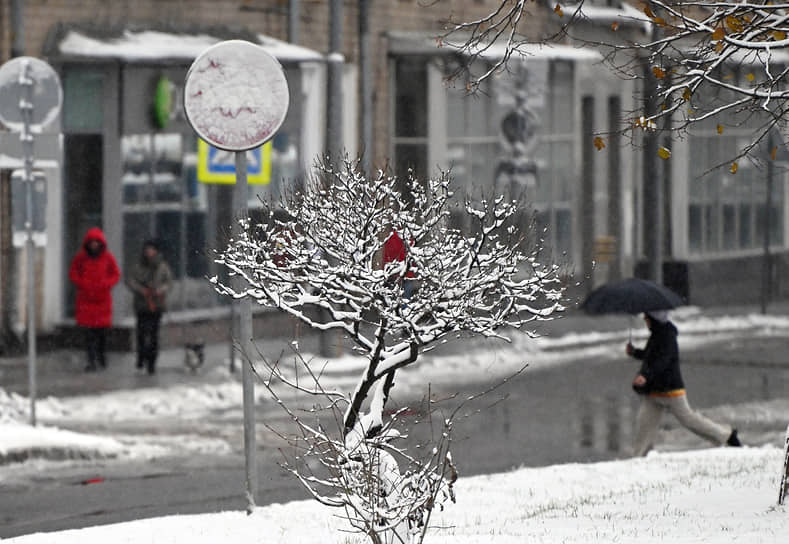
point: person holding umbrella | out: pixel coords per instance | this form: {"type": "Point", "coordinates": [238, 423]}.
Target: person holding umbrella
{"type": "Point", "coordinates": [661, 388]}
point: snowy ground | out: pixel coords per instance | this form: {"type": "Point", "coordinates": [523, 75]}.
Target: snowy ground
{"type": "Point", "coordinates": [713, 495]}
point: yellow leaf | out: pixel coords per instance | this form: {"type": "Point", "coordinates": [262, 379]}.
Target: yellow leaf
{"type": "Point", "coordinates": [660, 21]}
{"type": "Point", "coordinates": [733, 168]}
{"type": "Point", "coordinates": [558, 10]}
{"type": "Point", "coordinates": [719, 34]}
{"type": "Point", "coordinates": [599, 143]}
{"type": "Point", "coordinates": [734, 23]}
{"type": "Point", "coordinates": [648, 12]}
{"type": "Point", "coordinates": [686, 94]}
{"type": "Point", "coordinates": [750, 77]}
{"type": "Point", "coordinates": [614, 26]}
{"type": "Point", "coordinates": [659, 72]}
{"type": "Point", "coordinates": [720, 129]}
{"type": "Point", "coordinates": [779, 35]}
{"type": "Point", "coordinates": [719, 47]}
{"type": "Point", "coordinates": [663, 153]}
{"type": "Point", "coordinates": [773, 153]}
{"type": "Point", "coordinates": [728, 76]}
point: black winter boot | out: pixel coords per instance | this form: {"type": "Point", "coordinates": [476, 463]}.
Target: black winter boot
{"type": "Point", "coordinates": [733, 441]}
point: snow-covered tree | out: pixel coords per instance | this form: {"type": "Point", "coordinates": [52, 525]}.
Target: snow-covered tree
{"type": "Point", "coordinates": [702, 62]}
{"type": "Point", "coordinates": [317, 257]}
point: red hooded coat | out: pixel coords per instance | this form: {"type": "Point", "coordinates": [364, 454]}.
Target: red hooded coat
{"type": "Point", "coordinates": [394, 250]}
{"type": "Point", "coordinates": [94, 277]}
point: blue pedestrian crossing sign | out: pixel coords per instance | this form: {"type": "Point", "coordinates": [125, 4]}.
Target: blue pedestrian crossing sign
{"type": "Point", "coordinates": [219, 166]}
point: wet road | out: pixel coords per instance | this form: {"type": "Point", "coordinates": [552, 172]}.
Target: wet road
{"type": "Point", "coordinates": [579, 412]}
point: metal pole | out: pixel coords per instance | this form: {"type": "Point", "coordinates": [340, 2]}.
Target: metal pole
{"type": "Point", "coordinates": [18, 26]}
{"type": "Point", "coordinates": [785, 475]}
{"type": "Point", "coordinates": [767, 220]}
{"type": "Point", "coordinates": [294, 10]}
{"type": "Point", "coordinates": [334, 144]}
{"type": "Point", "coordinates": [657, 255]}
{"type": "Point", "coordinates": [152, 187]}
{"type": "Point", "coordinates": [245, 341]}
{"type": "Point", "coordinates": [365, 67]}
{"type": "Point", "coordinates": [653, 182]}
{"type": "Point", "coordinates": [26, 105]}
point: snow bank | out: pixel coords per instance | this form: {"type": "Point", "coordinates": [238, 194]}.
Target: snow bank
{"type": "Point", "coordinates": [715, 496]}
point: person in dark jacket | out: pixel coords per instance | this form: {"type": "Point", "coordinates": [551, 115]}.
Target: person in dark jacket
{"type": "Point", "coordinates": [94, 271]}
{"type": "Point", "coordinates": [660, 385]}
{"type": "Point", "coordinates": [149, 280]}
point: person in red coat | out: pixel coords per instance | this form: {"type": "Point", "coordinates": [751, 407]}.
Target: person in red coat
{"type": "Point", "coordinates": [94, 271]}
{"type": "Point", "coordinates": [395, 251]}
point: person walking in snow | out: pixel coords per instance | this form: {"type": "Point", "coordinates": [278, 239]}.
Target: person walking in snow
{"type": "Point", "coordinates": [94, 271]}
{"type": "Point", "coordinates": [660, 386]}
{"type": "Point", "coordinates": [149, 280]}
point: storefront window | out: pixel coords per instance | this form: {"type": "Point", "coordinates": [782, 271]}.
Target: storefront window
{"type": "Point", "coordinates": [514, 136]}
{"type": "Point", "coordinates": [152, 170]}
{"type": "Point", "coordinates": [162, 200]}
{"type": "Point", "coordinates": [83, 97]}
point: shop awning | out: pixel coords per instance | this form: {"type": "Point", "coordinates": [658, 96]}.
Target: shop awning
{"type": "Point", "coordinates": [162, 46]}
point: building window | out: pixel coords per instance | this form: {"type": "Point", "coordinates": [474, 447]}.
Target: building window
{"type": "Point", "coordinates": [556, 174]}
{"type": "Point", "coordinates": [726, 211]}
{"type": "Point", "coordinates": [472, 135]}
{"type": "Point", "coordinates": [411, 117]}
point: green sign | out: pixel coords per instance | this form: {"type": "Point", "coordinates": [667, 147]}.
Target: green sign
{"type": "Point", "coordinates": [162, 102]}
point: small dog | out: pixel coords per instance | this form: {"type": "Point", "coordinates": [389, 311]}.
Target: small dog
{"type": "Point", "coordinates": [195, 355]}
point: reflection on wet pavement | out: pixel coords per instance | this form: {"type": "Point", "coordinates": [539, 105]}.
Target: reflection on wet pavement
{"type": "Point", "coordinates": [586, 412]}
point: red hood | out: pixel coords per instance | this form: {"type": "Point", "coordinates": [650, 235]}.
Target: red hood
{"type": "Point", "coordinates": [94, 233]}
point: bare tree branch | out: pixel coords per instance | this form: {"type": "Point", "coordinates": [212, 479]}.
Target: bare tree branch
{"type": "Point", "coordinates": [712, 61]}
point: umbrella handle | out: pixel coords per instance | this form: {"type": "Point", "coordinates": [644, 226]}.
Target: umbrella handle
{"type": "Point", "coordinates": [630, 331]}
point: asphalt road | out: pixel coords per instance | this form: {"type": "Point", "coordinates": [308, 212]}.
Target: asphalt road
{"type": "Point", "coordinates": [580, 412]}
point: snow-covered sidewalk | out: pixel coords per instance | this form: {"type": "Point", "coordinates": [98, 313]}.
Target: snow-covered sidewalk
{"type": "Point", "coordinates": [714, 496]}
{"type": "Point", "coordinates": [710, 495]}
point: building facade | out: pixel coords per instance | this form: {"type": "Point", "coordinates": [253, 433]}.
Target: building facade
{"type": "Point", "coordinates": [113, 160]}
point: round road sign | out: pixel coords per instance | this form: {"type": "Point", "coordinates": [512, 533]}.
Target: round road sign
{"type": "Point", "coordinates": [236, 95]}
{"type": "Point", "coordinates": [46, 96]}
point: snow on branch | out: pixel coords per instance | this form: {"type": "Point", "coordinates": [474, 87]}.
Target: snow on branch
{"type": "Point", "coordinates": [318, 258]}
{"type": "Point", "coordinates": [376, 258]}
{"type": "Point", "coordinates": [698, 61]}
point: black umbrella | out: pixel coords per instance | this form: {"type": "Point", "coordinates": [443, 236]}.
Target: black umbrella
{"type": "Point", "coordinates": [631, 296]}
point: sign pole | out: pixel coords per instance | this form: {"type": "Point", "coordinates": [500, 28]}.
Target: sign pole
{"type": "Point", "coordinates": [30, 99]}
{"type": "Point", "coordinates": [236, 98]}
{"type": "Point", "coordinates": [26, 136]}
{"type": "Point", "coordinates": [785, 476]}
{"type": "Point", "coordinates": [244, 315]}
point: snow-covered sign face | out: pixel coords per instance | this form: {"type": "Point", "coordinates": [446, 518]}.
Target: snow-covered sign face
{"type": "Point", "coordinates": [46, 96]}
{"type": "Point", "coordinates": [236, 95]}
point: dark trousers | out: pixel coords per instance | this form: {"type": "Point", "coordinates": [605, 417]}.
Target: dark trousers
{"type": "Point", "coordinates": [148, 339]}
{"type": "Point", "coordinates": [96, 341]}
